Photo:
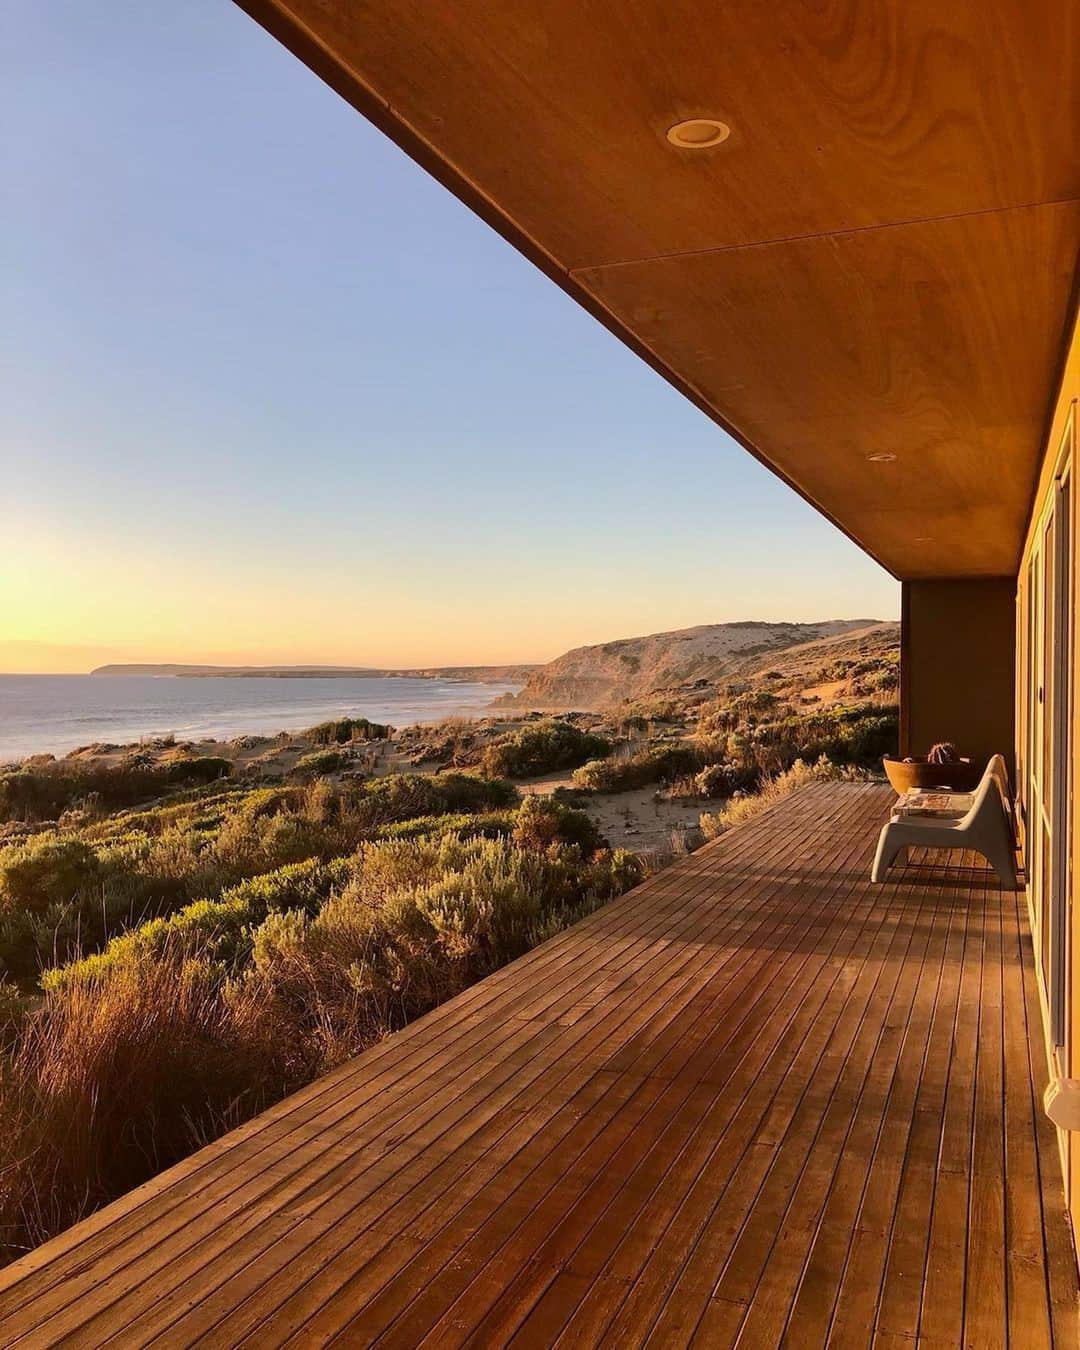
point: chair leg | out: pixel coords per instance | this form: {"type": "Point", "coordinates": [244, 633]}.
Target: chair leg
{"type": "Point", "coordinates": [1001, 858]}
{"type": "Point", "coordinates": [888, 849]}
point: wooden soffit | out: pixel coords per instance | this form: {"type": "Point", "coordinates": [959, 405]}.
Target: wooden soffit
{"type": "Point", "coordinates": [878, 260]}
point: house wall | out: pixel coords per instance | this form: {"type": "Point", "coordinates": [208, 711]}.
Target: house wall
{"type": "Point", "coordinates": [1060, 445]}
{"type": "Point", "coordinates": [957, 666]}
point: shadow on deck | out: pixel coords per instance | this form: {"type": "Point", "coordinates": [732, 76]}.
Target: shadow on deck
{"type": "Point", "coordinates": [756, 1100]}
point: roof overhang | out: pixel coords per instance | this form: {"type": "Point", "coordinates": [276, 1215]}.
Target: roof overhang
{"type": "Point", "coordinates": [879, 260]}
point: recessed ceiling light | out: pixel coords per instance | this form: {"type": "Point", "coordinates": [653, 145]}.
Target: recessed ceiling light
{"type": "Point", "coordinates": [881, 457]}
{"type": "Point", "coordinates": [699, 133]}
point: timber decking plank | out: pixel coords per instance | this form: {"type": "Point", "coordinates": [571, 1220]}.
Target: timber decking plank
{"type": "Point", "coordinates": [884, 1083]}
{"type": "Point", "coordinates": [985, 1316]}
{"type": "Point", "coordinates": [758, 1100]}
{"type": "Point", "coordinates": [1027, 1289]}
{"type": "Point", "coordinates": [728, 1225]}
{"type": "Point", "coordinates": [618, 1247]}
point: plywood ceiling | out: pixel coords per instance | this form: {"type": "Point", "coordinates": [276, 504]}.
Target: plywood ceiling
{"type": "Point", "coordinates": [880, 257]}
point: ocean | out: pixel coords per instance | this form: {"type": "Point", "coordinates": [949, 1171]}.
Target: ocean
{"type": "Point", "coordinates": [57, 713]}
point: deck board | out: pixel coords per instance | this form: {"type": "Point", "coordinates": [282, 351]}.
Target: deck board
{"type": "Point", "coordinates": [756, 1101]}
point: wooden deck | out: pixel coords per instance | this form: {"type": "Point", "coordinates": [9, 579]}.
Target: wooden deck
{"type": "Point", "coordinates": [756, 1101]}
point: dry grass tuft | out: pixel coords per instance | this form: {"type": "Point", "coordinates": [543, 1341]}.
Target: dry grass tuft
{"type": "Point", "coordinates": [775, 789]}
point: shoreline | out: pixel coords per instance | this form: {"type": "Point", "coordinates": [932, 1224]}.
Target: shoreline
{"type": "Point", "coordinates": [505, 674]}
{"type": "Point", "coordinates": [59, 715]}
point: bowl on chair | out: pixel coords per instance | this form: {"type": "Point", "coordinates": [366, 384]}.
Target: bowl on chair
{"type": "Point", "coordinates": [905, 774]}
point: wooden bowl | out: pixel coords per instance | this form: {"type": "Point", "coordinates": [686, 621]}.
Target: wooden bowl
{"type": "Point", "coordinates": [905, 774]}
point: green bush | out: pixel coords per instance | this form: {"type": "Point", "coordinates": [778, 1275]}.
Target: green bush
{"type": "Point", "coordinates": [858, 734]}
{"type": "Point", "coordinates": [319, 762]}
{"type": "Point", "coordinates": [346, 729]}
{"type": "Point", "coordinates": [189, 772]}
{"type": "Point", "coordinates": [39, 792]}
{"type": "Point", "coordinates": [44, 871]}
{"type": "Point", "coordinates": [723, 780]}
{"type": "Point", "coordinates": [232, 944]}
{"type": "Point", "coordinates": [542, 748]}
{"type": "Point", "coordinates": [189, 1025]}
{"type": "Point", "coordinates": [744, 710]}
{"type": "Point", "coordinates": [463, 825]}
{"type": "Point", "coordinates": [659, 764]}
{"type": "Point", "coordinates": [406, 796]}
{"type": "Point", "coordinates": [70, 890]}
{"type": "Point", "coordinates": [543, 822]}
{"type": "Point", "coordinates": [216, 929]}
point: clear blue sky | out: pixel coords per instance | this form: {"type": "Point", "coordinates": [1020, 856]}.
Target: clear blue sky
{"type": "Point", "coordinates": [272, 393]}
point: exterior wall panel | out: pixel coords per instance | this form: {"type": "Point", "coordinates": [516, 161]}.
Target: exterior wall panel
{"type": "Point", "coordinates": [958, 666]}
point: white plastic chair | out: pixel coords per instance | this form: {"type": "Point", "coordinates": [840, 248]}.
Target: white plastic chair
{"type": "Point", "coordinates": [960, 800]}
{"type": "Point", "coordinates": [984, 828]}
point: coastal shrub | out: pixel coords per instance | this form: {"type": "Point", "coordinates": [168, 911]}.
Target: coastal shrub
{"type": "Point", "coordinates": [744, 710]}
{"type": "Point", "coordinates": [845, 734]}
{"type": "Point", "coordinates": [416, 924]}
{"type": "Point", "coordinates": [212, 929]}
{"type": "Point", "coordinates": [106, 1083]}
{"type": "Point", "coordinates": [43, 791]}
{"type": "Point", "coordinates": [345, 729]}
{"type": "Point", "coordinates": [70, 890]}
{"type": "Point", "coordinates": [199, 769]}
{"type": "Point", "coordinates": [852, 733]}
{"type": "Point", "coordinates": [722, 780]}
{"type": "Point", "coordinates": [404, 796]}
{"type": "Point", "coordinates": [877, 682]}
{"type": "Point", "coordinates": [661, 763]}
{"type": "Point", "coordinates": [179, 1032]}
{"type": "Point", "coordinates": [542, 748]}
{"type": "Point", "coordinates": [640, 713]}
{"type": "Point", "coordinates": [319, 762]}
{"type": "Point", "coordinates": [542, 822]}
{"type": "Point", "coordinates": [462, 824]}
{"type": "Point", "coordinates": [44, 871]}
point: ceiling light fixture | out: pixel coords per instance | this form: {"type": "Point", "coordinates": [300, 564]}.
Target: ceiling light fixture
{"type": "Point", "coordinates": [881, 457]}
{"type": "Point", "coordinates": [699, 133]}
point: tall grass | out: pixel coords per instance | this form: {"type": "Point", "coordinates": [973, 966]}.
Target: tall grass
{"type": "Point", "coordinates": [109, 1082]}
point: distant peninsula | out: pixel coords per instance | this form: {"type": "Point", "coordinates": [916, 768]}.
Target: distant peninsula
{"type": "Point", "coordinates": [516, 674]}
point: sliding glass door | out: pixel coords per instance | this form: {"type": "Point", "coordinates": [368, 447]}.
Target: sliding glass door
{"type": "Point", "coordinates": [1047, 751]}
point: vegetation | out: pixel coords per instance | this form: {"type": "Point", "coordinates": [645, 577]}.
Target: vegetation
{"type": "Point", "coordinates": [43, 788]}
{"type": "Point", "coordinates": [846, 734]}
{"type": "Point", "coordinates": [230, 945]}
{"type": "Point", "coordinates": [345, 729]}
{"type": "Point", "coordinates": [658, 763]}
{"type": "Point", "coordinates": [542, 748]}
{"type": "Point", "coordinates": [319, 762]}
{"type": "Point", "coordinates": [66, 889]}
{"type": "Point", "coordinates": [734, 751]}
